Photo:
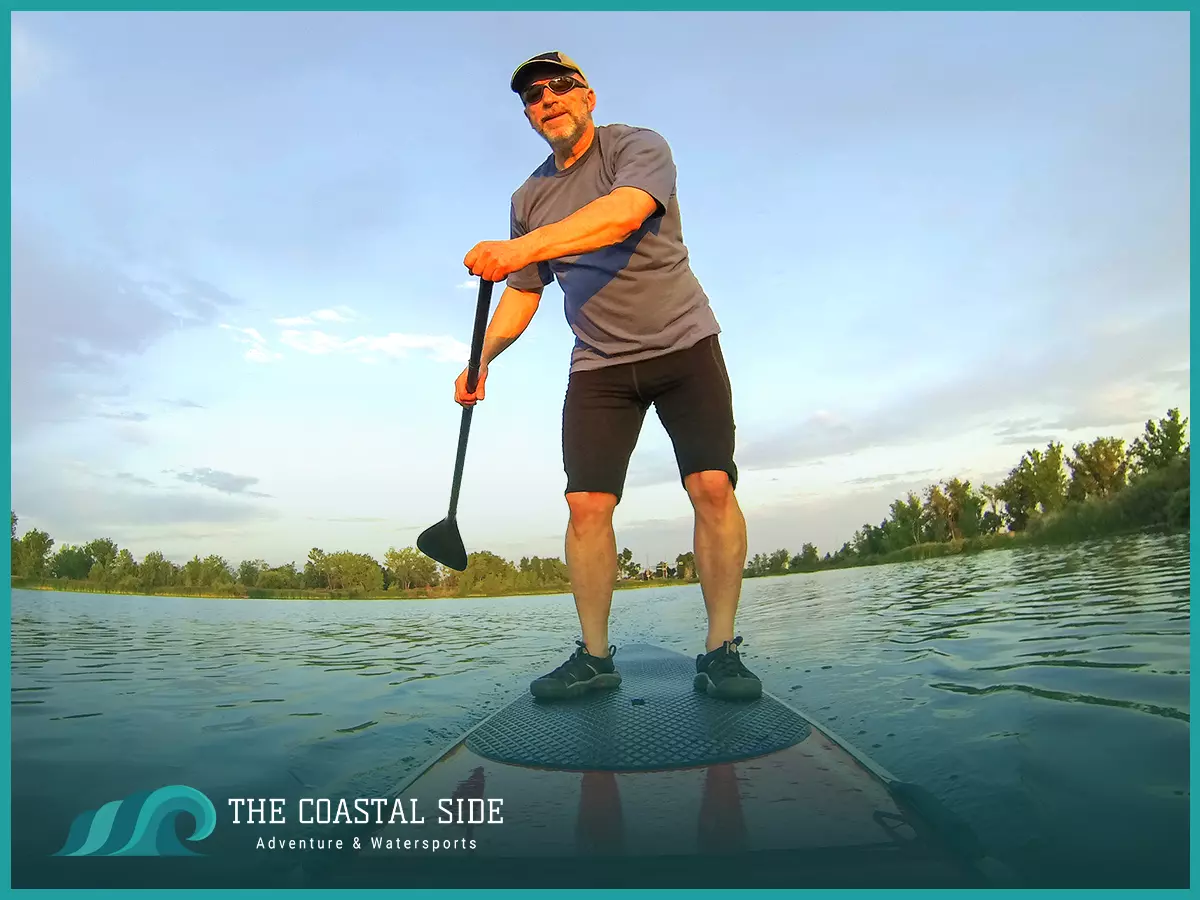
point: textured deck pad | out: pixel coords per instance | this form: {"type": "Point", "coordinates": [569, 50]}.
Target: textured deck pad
{"type": "Point", "coordinates": [673, 726]}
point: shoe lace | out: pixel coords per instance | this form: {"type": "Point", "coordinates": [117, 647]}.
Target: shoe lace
{"type": "Point", "coordinates": [729, 662]}
{"type": "Point", "coordinates": [580, 652]}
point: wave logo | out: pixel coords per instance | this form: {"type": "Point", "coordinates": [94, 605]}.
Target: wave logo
{"type": "Point", "coordinates": [142, 824]}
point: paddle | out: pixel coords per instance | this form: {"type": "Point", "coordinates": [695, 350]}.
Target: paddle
{"type": "Point", "coordinates": [442, 542]}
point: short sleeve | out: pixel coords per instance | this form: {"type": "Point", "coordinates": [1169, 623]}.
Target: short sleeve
{"type": "Point", "coordinates": [643, 160]}
{"type": "Point", "coordinates": [534, 276]}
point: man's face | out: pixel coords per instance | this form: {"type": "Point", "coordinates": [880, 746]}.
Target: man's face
{"type": "Point", "coordinates": [560, 119]}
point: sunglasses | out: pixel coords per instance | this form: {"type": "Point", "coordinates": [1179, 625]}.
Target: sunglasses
{"type": "Point", "coordinates": [563, 84]}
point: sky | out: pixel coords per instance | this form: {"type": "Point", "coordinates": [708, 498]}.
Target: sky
{"type": "Point", "coordinates": [932, 241]}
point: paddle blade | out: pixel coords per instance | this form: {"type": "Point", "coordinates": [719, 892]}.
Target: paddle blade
{"type": "Point", "coordinates": [443, 543]}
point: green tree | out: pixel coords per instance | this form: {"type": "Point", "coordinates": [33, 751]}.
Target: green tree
{"type": "Point", "coordinates": [316, 574]}
{"type": "Point", "coordinates": [992, 519]}
{"type": "Point", "coordinates": [486, 573]}
{"type": "Point", "coordinates": [758, 566]}
{"type": "Point", "coordinates": [1160, 444]}
{"type": "Point", "coordinates": [1098, 469]}
{"type": "Point", "coordinates": [908, 522]}
{"type": "Point", "coordinates": [156, 571]}
{"type": "Point", "coordinates": [777, 562]}
{"type": "Point", "coordinates": [966, 509]}
{"type": "Point", "coordinates": [627, 566]}
{"type": "Point", "coordinates": [806, 560]}
{"type": "Point", "coordinates": [103, 551]}
{"type": "Point", "coordinates": [685, 566]}
{"type": "Point", "coordinates": [71, 562]}
{"type": "Point", "coordinates": [939, 515]}
{"type": "Point", "coordinates": [1050, 477]}
{"type": "Point", "coordinates": [124, 568]}
{"type": "Point", "coordinates": [349, 571]}
{"type": "Point", "coordinates": [250, 571]}
{"type": "Point", "coordinates": [534, 573]}
{"type": "Point", "coordinates": [410, 568]}
{"type": "Point", "coordinates": [1037, 482]}
{"type": "Point", "coordinates": [281, 578]}
{"type": "Point", "coordinates": [33, 554]}
{"type": "Point", "coordinates": [212, 571]}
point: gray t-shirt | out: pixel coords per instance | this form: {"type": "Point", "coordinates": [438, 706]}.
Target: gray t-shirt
{"type": "Point", "coordinates": [630, 301]}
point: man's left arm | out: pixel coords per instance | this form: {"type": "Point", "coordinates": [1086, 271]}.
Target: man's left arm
{"type": "Point", "coordinates": [645, 180]}
{"type": "Point", "coordinates": [605, 221]}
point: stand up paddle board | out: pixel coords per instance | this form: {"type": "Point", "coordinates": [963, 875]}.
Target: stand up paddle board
{"type": "Point", "coordinates": [655, 784]}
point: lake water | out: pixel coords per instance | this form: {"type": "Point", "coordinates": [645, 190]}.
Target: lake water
{"type": "Point", "coordinates": [1040, 694]}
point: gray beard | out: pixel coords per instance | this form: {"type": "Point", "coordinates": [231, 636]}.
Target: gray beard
{"type": "Point", "coordinates": [564, 143]}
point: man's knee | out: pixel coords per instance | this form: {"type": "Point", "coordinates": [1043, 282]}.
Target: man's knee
{"type": "Point", "coordinates": [591, 509]}
{"type": "Point", "coordinates": [710, 491]}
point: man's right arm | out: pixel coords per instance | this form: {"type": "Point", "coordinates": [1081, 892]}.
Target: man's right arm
{"type": "Point", "coordinates": [513, 314]}
{"type": "Point", "coordinates": [521, 297]}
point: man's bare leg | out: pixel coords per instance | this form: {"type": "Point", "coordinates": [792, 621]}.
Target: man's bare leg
{"type": "Point", "coordinates": [592, 564]}
{"type": "Point", "coordinates": [720, 545]}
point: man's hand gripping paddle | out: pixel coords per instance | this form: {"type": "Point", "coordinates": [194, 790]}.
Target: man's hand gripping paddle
{"type": "Point", "coordinates": [442, 542]}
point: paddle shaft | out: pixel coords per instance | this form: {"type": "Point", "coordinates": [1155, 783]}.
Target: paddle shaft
{"type": "Point", "coordinates": [473, 366]}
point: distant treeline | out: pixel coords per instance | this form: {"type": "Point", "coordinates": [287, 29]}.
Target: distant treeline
{"type": "Point", "coordinates": [1102, 488]}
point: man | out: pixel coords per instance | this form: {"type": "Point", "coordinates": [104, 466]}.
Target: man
{"type": "Point", "coordinates": [600, 215]}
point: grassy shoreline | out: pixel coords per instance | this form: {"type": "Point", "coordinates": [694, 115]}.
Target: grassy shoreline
{"type": "Point", "coordinates": [240, 592]}
{"type": "Point", "coordinates": [915, 553]}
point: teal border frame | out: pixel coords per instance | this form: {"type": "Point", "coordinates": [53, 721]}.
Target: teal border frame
{"type": "Point", "coordinates": [521, 6]}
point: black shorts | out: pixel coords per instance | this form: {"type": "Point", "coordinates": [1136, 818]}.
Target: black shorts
{"type": "Point", "coordinates": [604, 410]}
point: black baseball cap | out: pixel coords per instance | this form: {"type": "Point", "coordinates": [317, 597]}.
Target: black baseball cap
{"type": "Point", "coordinates": [553, 59]}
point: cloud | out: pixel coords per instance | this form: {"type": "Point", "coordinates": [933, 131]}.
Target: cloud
{"type": "Point", "coordinates": [243, 333]}
{"type": "Point", "coordinates": [366, 348]}
{"type": "Point", "coordinates": [75, 501]}
{"type": "Point", "coordinates": [258, 351]}
{"type": "Point", "coordinates": [263, 355]}
{"type": "Point", "coordinates": [338, 314]}
{"type": "Point", "coordinates": [341, 314]}
{"type": "Point", "coordinates": [133, 514]}
{"type": "Point", "coordinates": [182, 403]}
{"type": "Point", "coordinates": [132, 433]}
{"type": "Point", "coordinates": [471, 284]}
{"type": "Point", "coordinates": [225, 482]}
{"type": "Point", "coordinates": [134, 479]}
{"type": "Point", "coordinates": [892, 478]}
{"type": "Point", "coordinates": [192, 298]}
{"type": "Point", "coordinates": [1097, 383]}
{"type": "Point", "coordinates": [314, 342]}
{"type": "Point", "coordinates": [440, 348]}
{"type": "Point", "coordinates": [78, 319]}
{"type": "Point", "coordinates": [124, 416]}
{"type": "Point", "coordinates": [1030, 439]}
